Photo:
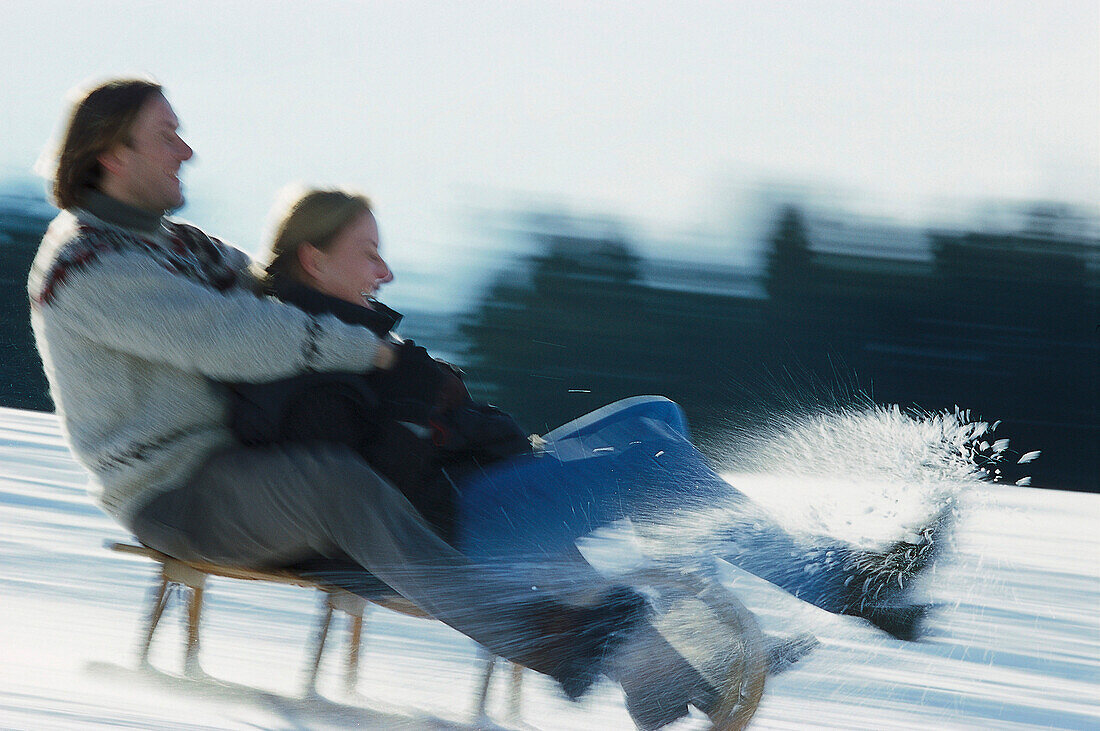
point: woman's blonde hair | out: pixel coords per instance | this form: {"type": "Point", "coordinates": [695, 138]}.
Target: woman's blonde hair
{"type": "Point", "coordinates": [313, 216]}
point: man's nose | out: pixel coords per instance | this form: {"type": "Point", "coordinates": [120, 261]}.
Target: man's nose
{"type": "Point", "coordinates": [185, 151]}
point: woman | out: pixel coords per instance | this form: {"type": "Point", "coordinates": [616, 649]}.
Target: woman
{"type": "Point", "coordinates": [417, 425]}
{"type": "Point", "coordinates": [415, 422]}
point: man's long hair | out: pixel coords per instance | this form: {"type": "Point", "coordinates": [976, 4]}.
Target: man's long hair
{"type": "Point", "coordinates": [101, 119]}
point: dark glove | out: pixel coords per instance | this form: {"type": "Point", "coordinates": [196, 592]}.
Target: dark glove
{"type": "Point", "coordinates": [453, 392]}
{"type": "Point", "coordinates": [481, 431]}
{"type": "Point", "coordinates": [418, 386]}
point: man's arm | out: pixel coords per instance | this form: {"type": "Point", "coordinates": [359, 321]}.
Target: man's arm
{"type": "Point", "coordinates": [131, 303]}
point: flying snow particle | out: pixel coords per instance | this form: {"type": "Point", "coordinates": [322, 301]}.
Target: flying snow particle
{"type": "Point", "coordinates": [1029, 457]}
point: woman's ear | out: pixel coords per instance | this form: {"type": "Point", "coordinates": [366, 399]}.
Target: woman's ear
{"type": "Point", "coordinates": [311, 260]}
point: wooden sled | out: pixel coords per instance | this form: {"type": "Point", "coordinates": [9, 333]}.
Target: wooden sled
{"type": "Point", "coordinates": [176, 575]}
{"type": "Point", "coordinates": [742, 686]}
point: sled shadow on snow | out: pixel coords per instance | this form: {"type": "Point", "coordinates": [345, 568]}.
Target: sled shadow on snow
{"type": "Point", "coordinates": [297, 712]}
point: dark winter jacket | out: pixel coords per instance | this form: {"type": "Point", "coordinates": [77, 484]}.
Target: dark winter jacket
{"type": "Point", "coordinates": [414, 423]}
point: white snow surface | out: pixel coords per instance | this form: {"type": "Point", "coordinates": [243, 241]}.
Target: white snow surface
{"type": "Point", "coordinates": [1014, 643]}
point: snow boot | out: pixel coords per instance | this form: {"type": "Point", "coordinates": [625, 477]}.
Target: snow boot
{"type": "Point", "coordinates": [903, 622]}
{"type": "Point", "coordinates": [879, 581]}
{"type": "Point", "coordinates": [701, 647]}
{"type": "Point", "coordinates": [657, 682]}
{"type": "Point", "coordinates": [574, 641]}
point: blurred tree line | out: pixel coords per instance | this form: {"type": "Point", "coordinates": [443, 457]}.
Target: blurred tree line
{"type": "Point", "coordinates": [1003, 324]}
{"type": "Point", "coordinates": [24, 216]}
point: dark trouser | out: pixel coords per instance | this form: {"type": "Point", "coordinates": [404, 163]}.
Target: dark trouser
{"type": "Point", "coordinates": [277, 505]}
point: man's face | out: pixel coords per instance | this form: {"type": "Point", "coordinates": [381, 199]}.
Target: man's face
{"type": "Point", "coordinates": [145, 172]}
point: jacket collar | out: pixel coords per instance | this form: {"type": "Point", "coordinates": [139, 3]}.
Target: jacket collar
{"type": "Point", "coordinates": [379, 319]}
{"type": "Point", "coordinates": [115, 212]}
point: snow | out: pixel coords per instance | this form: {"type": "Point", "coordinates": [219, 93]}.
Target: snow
{"type": "Point", "coordinates": [1014, 644]}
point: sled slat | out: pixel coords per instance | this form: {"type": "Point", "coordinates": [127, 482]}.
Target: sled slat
{"type": "Point", "coordinates": [277, 576]}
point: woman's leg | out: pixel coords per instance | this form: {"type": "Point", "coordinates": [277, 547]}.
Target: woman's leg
{"type": "Point", "coordinates": [627, 461]}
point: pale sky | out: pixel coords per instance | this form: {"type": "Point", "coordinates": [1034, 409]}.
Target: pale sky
{"type": "Point", "coordinates": [649, 110]}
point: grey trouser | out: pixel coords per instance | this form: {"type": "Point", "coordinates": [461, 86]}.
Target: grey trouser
{"type": "Point", "coordinates": [278, 505]}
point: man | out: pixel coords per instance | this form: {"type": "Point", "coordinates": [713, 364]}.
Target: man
{"type": "Point", "coordinates": [139, 317]}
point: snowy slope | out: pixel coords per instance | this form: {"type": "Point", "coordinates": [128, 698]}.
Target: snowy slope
{"type": "Point", "coordinates": [1016, 643]}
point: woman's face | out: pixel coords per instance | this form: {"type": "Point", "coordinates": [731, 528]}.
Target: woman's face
{"type": "Point", "coordinates": [351, 268]}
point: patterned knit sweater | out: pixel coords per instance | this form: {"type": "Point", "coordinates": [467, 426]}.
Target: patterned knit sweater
{"type": "Point", "coordinates": [136, 327]}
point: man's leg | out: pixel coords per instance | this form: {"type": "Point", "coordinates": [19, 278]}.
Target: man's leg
{"type": "Point", "coordinates": [276, 505]}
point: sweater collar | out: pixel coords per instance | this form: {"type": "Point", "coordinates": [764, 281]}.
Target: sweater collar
{"type": "Point", "coordinates": [379, 319]}
{"type": "Point", "coordinates": [114, 211]}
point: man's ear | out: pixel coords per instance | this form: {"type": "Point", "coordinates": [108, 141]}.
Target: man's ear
{"type": "Point", "coordinates": [111, 160]}
{"type": "Point", "coordinates": [311, 259]}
